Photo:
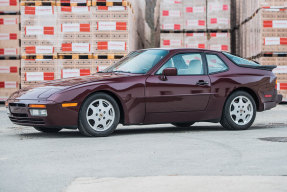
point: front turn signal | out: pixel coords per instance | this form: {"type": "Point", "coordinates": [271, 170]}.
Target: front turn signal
{"type": "Point", "coordinates": [37, 106]}
{"type": "Point", "coordinates": [69, 104]}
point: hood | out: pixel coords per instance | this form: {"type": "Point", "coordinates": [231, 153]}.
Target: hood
{"type": "Point", "coordinates": [46, 89]}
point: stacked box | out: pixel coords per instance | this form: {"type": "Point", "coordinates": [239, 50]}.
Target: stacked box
{"type": "Point", "coordinates": [9, 6]}
{"type": "Point", "coordinates": [263, 35]}
{"type": "Point", "coordinates": [38, 30]}
{"type": "Point", "coordinates": [195, 40]}
{"type": "Point", "coordinates": [218, 14]}
{"type": "Point", "coordinates": [171, 40]}
{"type": "Point", "coordinates": [219, 41]}
{"type": "Point", "coordinates": [9, 36]}
{"type": "Point", "coordinates": [194, 15]}
{"type": "Point", "coordinates": [171, 15]}
{"type": "Point", "coordinates": [198, 21]}
{"type": "Point", "coordinates": [9, 78]}
{"type": "Point", "coordinates": [37, 70]}
{"type": "Point", "coordinates": [9, 48]}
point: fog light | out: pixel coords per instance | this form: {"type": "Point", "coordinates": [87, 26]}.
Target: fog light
{"type": "Point", "coordinates": [38, 112]}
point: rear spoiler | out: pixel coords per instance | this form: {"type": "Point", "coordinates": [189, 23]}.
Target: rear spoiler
{"type": "Point", "coordinates": [262, 67]}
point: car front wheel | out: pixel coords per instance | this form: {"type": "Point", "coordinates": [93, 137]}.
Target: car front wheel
{"type": "Point", "coordinates": [239, 111]}
{"type": "Point", "coordinates": [99, 116]}
{"type": "Point", "coordinates": [48, 130]}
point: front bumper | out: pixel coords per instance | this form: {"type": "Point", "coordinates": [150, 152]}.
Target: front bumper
{"type": "Point", "coordinates": [58, 117]}
{"type": "Point", "coordinates": [272, 104]}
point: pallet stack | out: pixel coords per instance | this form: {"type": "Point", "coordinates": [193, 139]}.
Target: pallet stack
{"type": "Point", "coordinates": [63, 38]}
{"type": "Point", "coordinates": [262, 31]}
{"type": "Point", "coordinates": [9, 48]}
{"type": "Point", "coordinates": [196, 24]}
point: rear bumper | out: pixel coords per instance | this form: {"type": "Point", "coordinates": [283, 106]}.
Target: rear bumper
{"type": "Point", "coordinates": [272, 104]}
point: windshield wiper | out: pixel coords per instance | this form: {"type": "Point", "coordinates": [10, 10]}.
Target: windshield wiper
{"type": "Point", "coordinates": [119, 71]}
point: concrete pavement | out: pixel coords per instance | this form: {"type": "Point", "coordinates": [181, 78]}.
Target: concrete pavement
{"type": "Point", "coordinates": [33, 161]}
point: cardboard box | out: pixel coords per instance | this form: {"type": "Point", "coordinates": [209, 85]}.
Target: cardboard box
{"type": "Point", "coordinates": [171, 40]}
{"type": "Point", "coordinates": [9, 6]}
{"type": "Point", "coordinates": [195, 40]}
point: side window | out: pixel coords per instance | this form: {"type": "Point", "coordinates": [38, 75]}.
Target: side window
{"type": "Point", "coordinates": [186, 64]}
{"type": "Point", "coordinates": [215, 64]}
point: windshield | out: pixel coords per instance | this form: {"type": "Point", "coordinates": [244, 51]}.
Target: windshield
{"type": "Point", "coordinates": [240, 61]}
{"type": "Point", "coordinates": [137, 62]}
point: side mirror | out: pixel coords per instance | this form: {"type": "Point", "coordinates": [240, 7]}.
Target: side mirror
{"type": "Point", "coordinates": [170, 71]}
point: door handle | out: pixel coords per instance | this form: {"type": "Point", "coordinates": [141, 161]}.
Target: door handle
{"type": "Point", "coordinates": [202, 83]}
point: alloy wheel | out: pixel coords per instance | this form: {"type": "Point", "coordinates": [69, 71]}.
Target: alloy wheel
{"type": "Point", "coordinates": [241, 110]}
{"type": "Point", "coordinates": [100, 115]}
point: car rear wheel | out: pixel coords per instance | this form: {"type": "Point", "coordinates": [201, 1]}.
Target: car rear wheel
{"type": "Point", "coordinates": [48, 130]}
{"type": "Point", "coordinates": [239, 111]}
{"type": "Point", "coordinates": [99, 115]}
{"type": "Point", "coordinates": [183, 124]}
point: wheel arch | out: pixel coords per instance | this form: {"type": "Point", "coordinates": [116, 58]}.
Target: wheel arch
{"type": "Point", "coordinates": [114, 96]}
{"type": "Point", "coordinates": [248, 90]}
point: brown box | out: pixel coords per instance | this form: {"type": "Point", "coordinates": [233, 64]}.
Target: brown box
{"type": "Point", "coordinates": [171, 40]}
{"type": "Point", "coordinates": [195, 40]}
{"type": "Point", "coordinates": [9, 6]}
{"type": "Point", "coordinates": [194, 13]}
{"type": "Point", "coordinates": [219, 41]}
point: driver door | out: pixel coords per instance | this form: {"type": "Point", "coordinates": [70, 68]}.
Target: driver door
{"type": "Point", "coordinates": [188, 91]}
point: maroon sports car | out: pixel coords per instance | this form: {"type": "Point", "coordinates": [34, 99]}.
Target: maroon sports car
{"type": "Point", "coordinates": [177, 86]}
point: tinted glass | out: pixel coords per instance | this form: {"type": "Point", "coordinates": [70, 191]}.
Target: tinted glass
{"type": "Point", "coordinates": [186, 64]}
{"type": "Point", "coordinates": [240, 61]}
{"type": "Point", "coordinates": [138, 62]}
{"type": "Point", "coordinates": [215, 64]}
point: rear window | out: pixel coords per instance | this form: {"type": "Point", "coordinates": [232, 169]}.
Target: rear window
{"type": "Point", "coordinates": [240, 61]}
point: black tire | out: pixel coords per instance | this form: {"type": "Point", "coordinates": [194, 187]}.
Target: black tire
{"type": "Point", "coordinates": [48, 130]}
{"type": "Point", "coordinates": [227, 119]}
{"type": "Point", "coordinates": [84, 126]}
{"type": "Point", "coordinates": [183, 124]}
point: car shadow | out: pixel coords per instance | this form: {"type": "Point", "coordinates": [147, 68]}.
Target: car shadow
{"type": "Point", "coordinates": [132, 130]}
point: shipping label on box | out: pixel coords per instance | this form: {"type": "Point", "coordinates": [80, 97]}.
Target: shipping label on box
{"type": "Point", "coordinates": [275, 24]}
{"type": "Point", "coordinates": [111, 26]}
{"type": "Point", "coordinates": [39, 10]}
{"type": "Point", "coordinates": [39, 50]}
{"type": "Point", "coordinates": [39, 30]}
{"type": "Point", "coordinates": [171, 1]}
{"type": "Point", "coordinates": [195, 9]}
{"type": "Point", "coordinates": [66, 73]}
{"type": "Point", "coordinates": [171, 13]}
{"type": "Point", "coordinates": [76, 9]}
{"type": "Point", "coordinates": [194, 23]}
{"type": "Point", "coordinates": [112, 45]}
{"type": "Point", "coordinates": [8, 51]}
{"type": "Point", "coordinates": [74, 1]}
{"type": "Point", "coordinates": [223, 21]}
{"type": "Point", "coordinates": [218, 7]}
{"type": "Point", "coordinates": [275, 41]}
{"type": "Point", "coordinates": [8, 84]}
{"type": "Point", "coordinates": [195, 34]}
{"type": "Point", "coordinates": [8, 69]}
{"type": "Point", "coordinates": [8, 21]}
{"type": "Point", "coordinates": [280, 70]}
{"type": "Point", "coordinates": [8, 3]}
{"type": "Point", "coordinates": [173, 42]}
{"type": "Point", "coordinates": [170, 26]}
{"type": "Point", "coordinates": [8, 36]}
{"type": "Point", "coordinates": [219, 47]}
{"type": "Point", "coordinates": [75, 27]}
{"type": "Point", "coordinates": [195, 45]}
{"type": "Point", "coordinates": [76, 47]}
{"type": "Point", "coordinates": [102, 67]}
{"type": "Point", "coordinates": [219, 34]}
{"type": "Point", "coordinates": [39, 76]}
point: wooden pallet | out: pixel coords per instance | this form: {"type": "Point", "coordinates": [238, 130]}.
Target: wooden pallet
{"type": "Point", "coordinates": [8, 57]}
{"type": "Point", "coordinates": [39, 56]}
{"type": "Point", "coordinates": [68, 3]}
{"type": "Point", "coordinates": [109, 4]}
{"type": "Point", "coordinates": [38, 3]}
{"type": "Point", "coordinates": [109, 56]}
{"type": "Point", "coordinates": [75, 56]}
